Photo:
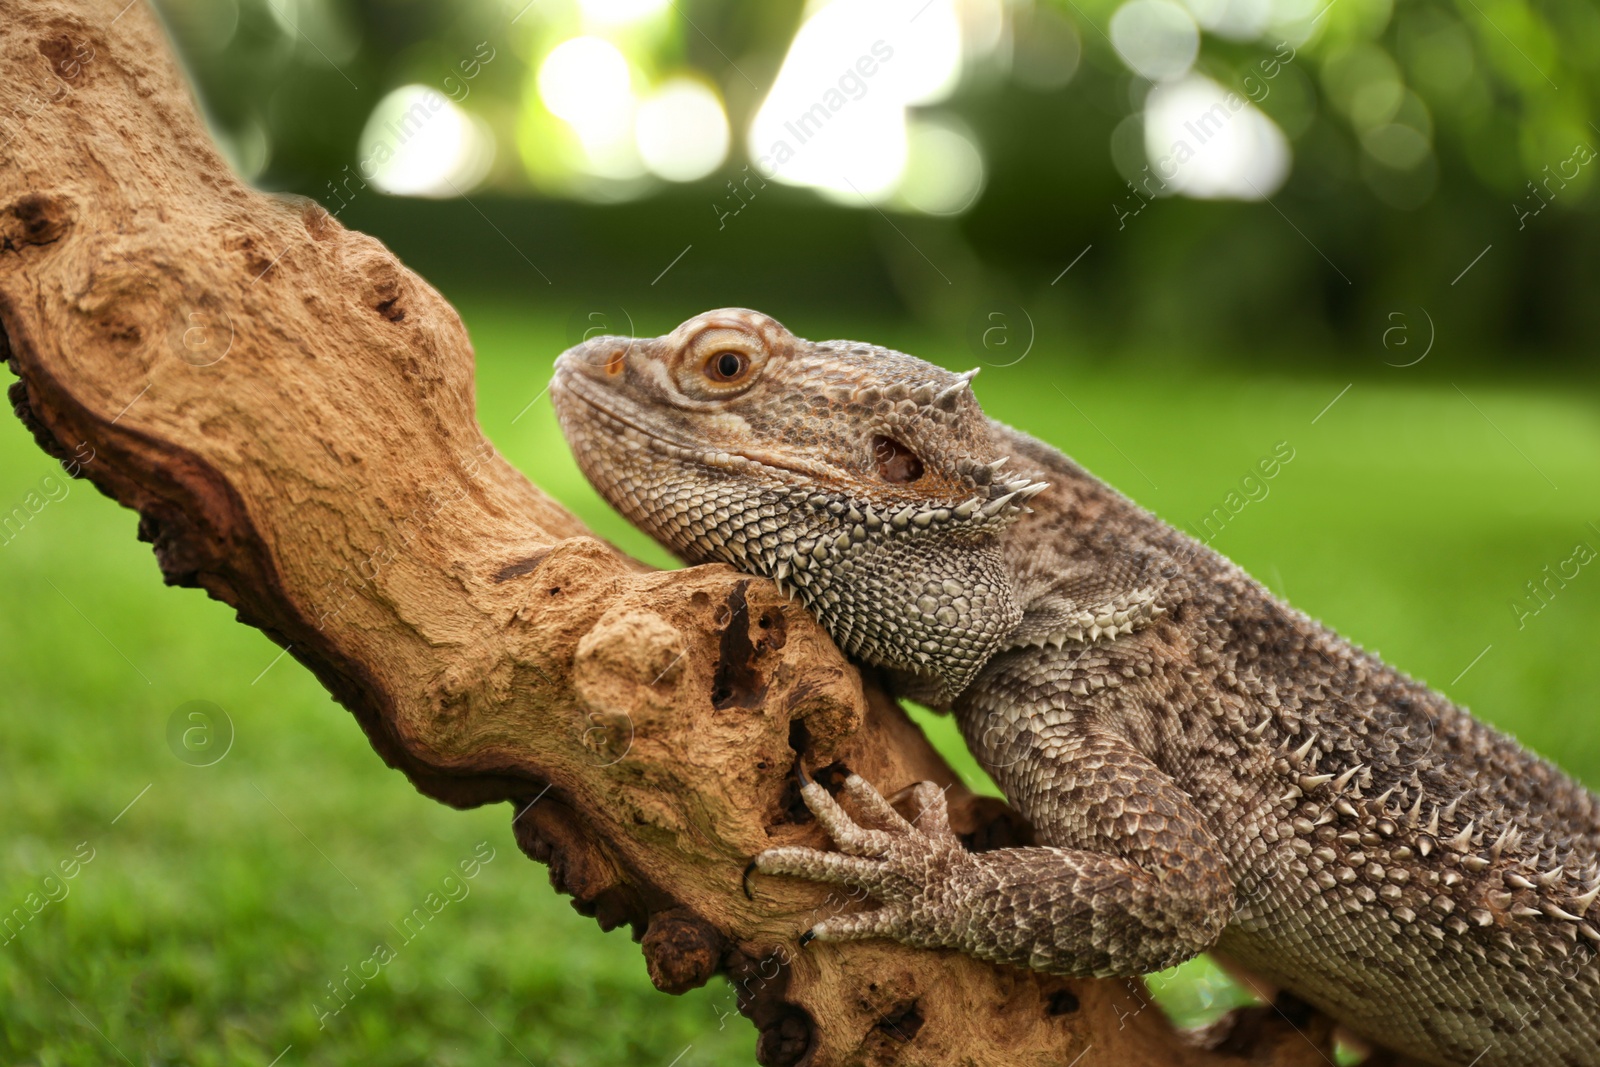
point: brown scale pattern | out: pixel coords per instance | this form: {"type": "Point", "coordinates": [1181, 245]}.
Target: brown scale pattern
{"type": "Point", "coordinates": [1203, 764]}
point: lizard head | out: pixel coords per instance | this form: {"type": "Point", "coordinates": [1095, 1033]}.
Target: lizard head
{"type": "Point", "coordinates": [862, 479]}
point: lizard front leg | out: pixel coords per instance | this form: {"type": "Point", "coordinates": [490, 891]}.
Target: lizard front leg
{"type": "Point", "coordinates": [1149, 890]}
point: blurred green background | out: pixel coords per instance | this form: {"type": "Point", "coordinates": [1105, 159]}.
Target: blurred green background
{"type": "Point", "coordinates": [1370, 152]}
{"type": "Point", "coordinates": [1385, 262]}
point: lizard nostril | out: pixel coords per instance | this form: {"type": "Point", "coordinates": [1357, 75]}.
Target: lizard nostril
{"type": "Point", "coordinates": [896, 462]}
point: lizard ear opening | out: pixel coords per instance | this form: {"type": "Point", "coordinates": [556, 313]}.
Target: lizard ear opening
{"type": "Point", "coordinates": [896, 463]}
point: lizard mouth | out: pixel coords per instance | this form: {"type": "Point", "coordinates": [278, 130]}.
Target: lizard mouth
{"type": "Point", "coordinates": [619, 415]}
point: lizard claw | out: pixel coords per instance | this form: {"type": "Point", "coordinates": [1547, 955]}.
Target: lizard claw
{"type": "Point", "coordinates": [901, 863]}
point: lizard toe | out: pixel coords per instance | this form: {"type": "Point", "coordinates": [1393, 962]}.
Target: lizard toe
{"type": "Point", "coordinates": [835, 868]}
{"type": "Point", "coordinates": [873, 806]}
{"type": "Point", "coordinates": [845, 831]}
{"type": "Point", "coordinates": [932, 811]}
{"type": "Point", "coordinates": [888, 921]}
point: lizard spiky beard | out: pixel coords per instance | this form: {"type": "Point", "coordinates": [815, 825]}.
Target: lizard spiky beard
{"type": "Point", "coordinates": [883, 518]}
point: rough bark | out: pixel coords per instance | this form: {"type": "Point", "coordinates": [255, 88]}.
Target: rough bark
{"type": "Point", "coordinates": [291, 413]}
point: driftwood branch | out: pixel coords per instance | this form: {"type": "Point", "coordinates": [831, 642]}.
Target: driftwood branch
{"type": "Point", "coordinates": [290, 411]}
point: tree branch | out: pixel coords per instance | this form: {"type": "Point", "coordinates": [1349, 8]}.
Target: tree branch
{"type": "Point", "coordinates": [291, 413]}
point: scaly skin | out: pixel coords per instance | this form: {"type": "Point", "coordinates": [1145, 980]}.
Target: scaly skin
{"type": "Point", "coordinates": [1204, 764]}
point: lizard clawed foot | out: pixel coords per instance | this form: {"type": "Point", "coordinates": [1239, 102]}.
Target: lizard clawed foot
{"type": "Point", "coordinates": [905, 865]}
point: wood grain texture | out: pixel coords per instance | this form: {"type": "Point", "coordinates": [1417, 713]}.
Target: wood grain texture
{"type": "Point", "coordinates": [290, 410]}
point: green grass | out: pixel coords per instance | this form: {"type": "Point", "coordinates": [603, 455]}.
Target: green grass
{"type": "Point", "coordinates": [218, 907]}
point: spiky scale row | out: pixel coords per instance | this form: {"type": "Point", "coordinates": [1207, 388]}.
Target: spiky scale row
{"type": "Point", "coordinates": [1550, 897]}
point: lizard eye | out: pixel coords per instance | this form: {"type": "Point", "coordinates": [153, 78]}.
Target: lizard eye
{"type": "Point", "coordinates": [896, 462]}
{"type": "Point", "coordinates": [727, 366]}
{"type": "Point", "coordinates": [720, 362]}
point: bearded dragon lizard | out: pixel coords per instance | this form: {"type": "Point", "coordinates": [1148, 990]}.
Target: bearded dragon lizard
{"type": "Point", "coordinates": [1204, 765]}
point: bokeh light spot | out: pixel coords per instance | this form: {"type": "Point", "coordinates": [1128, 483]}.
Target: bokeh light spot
{"type": "Point", "coordinates": [587, 83]}
{"type": "Point", "coordinates": [1212, 144]}
{"type": "Point", "coordinates": [1237, 20]}
{"type": "Point", "coordinates": [1396, 145]}
{"type": "Point", "coordinates": [682, 131]}
{"type": "Point", "coordinates": [1046, 49]}
{"type": "Point", "coordinates": [1157, 39]}
{"type": "Point", "coordinates": [944, 168]}
{"type": "Point", "coordinates": [418, 143]}
{"type": "Point", "coordinates": [1364, 83]}
{"type": "Point", "coordinates": [835, 118]}
{"type": "Point", "coordinates": [620, 12]}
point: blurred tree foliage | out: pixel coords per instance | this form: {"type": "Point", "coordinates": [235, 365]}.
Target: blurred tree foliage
{"type": "Point", "coordinates": [1424, 133]}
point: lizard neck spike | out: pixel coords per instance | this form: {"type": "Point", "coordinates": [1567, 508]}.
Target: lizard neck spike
{"type": "Point", "coordinates": [947, 397]}
{"type": "Point", "coordinates": [1580, 904]}
{"type": "Point", "coordinates": [1549, 878]}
